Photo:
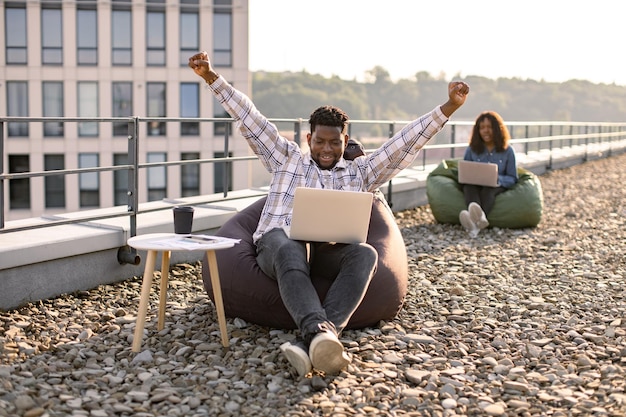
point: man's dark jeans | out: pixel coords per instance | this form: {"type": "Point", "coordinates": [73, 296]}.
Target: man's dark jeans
{"type": "Point", "coordinates": [285, 260]}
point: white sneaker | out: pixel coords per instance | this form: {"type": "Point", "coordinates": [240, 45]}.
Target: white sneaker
{"type": "Point", "coordinates": [478, 215]}
{"type": "Point", "coordinates": [468, 224]}
{"type": "Point", "coordinates": [326, 353]}
{"type": "Point", "coordinates": [297, 357]}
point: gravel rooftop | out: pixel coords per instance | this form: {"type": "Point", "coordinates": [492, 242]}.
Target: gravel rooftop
{"type": "Point", "coordinates": [527, 322]}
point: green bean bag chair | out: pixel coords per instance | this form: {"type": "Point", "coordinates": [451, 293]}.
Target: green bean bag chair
{"type": "Point", "coordinates": [518, 207]}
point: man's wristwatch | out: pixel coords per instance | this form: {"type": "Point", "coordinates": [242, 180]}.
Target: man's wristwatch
{"type": "Point", "coordinates": [212, 77]}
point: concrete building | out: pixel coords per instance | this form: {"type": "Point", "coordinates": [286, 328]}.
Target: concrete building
{"type": "Point", "coordinates": [115, 58]}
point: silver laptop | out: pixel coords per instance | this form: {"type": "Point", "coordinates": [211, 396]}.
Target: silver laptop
{"type": "Point", "coordinates": [322, 215]}
{"type": "Point", "coordinates": [478, 173]}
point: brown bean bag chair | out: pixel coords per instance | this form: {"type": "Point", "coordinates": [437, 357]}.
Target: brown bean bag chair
{"type": "Point", "coordinates": [252, 296]}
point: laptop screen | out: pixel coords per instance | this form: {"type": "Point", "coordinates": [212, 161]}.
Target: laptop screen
{"type": "Point", "coordinates": [322, 215]}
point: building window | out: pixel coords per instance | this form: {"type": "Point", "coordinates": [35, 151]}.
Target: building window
{"type": "Point", "coordinates": [89, 182]}
{"type": "Point", "coordinates": [190, 175]}
{"type": "Point", "coordinates": [121, 36]}
{"type": "Point", "coordinates": [222, 33]}
{"type": "Point", "coordinates": [17, 105]}
{"type": "Point", "coordinates": [222, 171]}
{"type": "Point", "coordinates": [54, 184]}
{"type": "Point", "coordinates": [189, 31]}
{"type": "Point", "coordinates": [157, 177]}
{"type": "Point", "coordinates": [220, 128]}
{"type": "Point", "coordinates": [120, 180]}
{"type": "Point", "coordinates": [155, 33]}
{"type": "Point", "coordinates": [15, 34]}
{"type": "Point", "coordinates": [86, 36]}
{"type": "Point", "coordinates": [88, 107]}
{"type": "Point", "coordinates": [52, 92]}
{"type": "Point", "coordinates": [51, 36]}
{"type": "Point", "coordinates": [122, 106]}
{"type": "Point", "coordinates": [156, 107]}
{"type": "Point", "coordinates": [19, 189]}
{"type": "Point", "coordinates": [189, 107]}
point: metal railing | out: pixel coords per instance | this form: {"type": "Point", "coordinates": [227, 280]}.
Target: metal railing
{"type": "Point", "coordinates": [534, 136]}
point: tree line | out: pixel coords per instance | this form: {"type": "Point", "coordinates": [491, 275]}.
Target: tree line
{"type": "Point", "coordinates": [296, 94]}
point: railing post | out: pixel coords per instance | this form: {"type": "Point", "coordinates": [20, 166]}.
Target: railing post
{"type": "Point", "coordinates": [571, 132]}
{"type": "Point", "coordinates": [389, 187]}
{"type": "Point", "coordinates": [126, 254]}
{"type": "Point", "coordinates": [550, 147]}
{"type": "Point", "coordinates": [586, 143]}
{"type": "Point", "coordinates": [133, 176]}
{"type": "Point", "coordinates": [600, 136]}
{"type": "Point", "coordinates": [227, 164]}
{"type": "Point", "coordinates": [452, 141]}
{"type": "Point", "coordinates": [297, 127]}
{"type": "Point", "coordinates": [526, 145]}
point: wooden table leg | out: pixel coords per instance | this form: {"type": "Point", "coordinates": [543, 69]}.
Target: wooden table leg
{"type": "Point", "coordinates": [217, 295]}
{"type": "Point", "coordinates": [165, 274]}
{"type": "Point", "coordinates": [144, 299]}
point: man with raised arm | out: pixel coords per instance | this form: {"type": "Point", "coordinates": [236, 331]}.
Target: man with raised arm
{"type": "Point", "coordinates": [323, 166]}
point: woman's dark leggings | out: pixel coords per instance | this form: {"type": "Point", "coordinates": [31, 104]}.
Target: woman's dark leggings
{"type": "Point", "coordinates": [485, 197]}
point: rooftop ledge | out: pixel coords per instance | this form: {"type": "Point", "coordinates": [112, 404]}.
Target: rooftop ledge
{"type": "Point", "coordinates": [49, 243]}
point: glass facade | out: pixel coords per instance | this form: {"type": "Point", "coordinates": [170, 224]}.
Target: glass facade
{"type": "Point", "coordinates": [52, 94]}
{"type": "Point", "coordinates": [19, 189]}
{"type": "Point", "coordinates": [155, 36]}
{"type": "Point", "coordinates": [122, 100]}
{"type": "Point", "coordinates": [189, 107]}
{"type": "Point", "coordinates": [190, 175]}
{"type": "Point", "coordinates": [189, 34]}
{"type": "Point", "coordinates": [89, 182]}
{"type": "Point", "coordinates": [87, 37]}
{"type": "Point", "coordinates": [156, 107]}
{"type": "Point", "coordinates": [15, 34]}
{"type": "Point", "coordinates": [120, 180]}
{"type": "Point", "coordinates": [55, 184]}
{"type": "Point", "coordinates": [157, 177]}
{"type": "Point", "coordinates": [51, 36]}
{"type": "Point", "coordinates": [17, 105]}
{"type": "Point", "coordinates": [121, 37]}
{"type": "Point", "coordinates": [88, 107]}
{"type": "Point", "coordinates": [222, 39]}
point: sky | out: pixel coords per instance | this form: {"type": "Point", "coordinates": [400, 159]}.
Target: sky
{"type": "Point", "coordinates": [549, 40]}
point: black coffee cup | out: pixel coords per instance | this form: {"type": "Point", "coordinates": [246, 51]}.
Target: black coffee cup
{"type": "Point", "coordinates": [183, 220]}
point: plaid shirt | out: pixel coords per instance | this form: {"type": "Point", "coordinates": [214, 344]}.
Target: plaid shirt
{"type": "Point", "coordinates": [290, 167]}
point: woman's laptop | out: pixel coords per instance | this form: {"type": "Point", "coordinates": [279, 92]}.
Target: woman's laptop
{"type": "Point", "coordinates": [323, 215]}
{"type": "Point", "coordinates": [478, 173]}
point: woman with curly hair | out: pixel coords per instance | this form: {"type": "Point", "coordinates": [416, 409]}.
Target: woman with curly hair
{"type": "Point", "coordinates": [489, 143]}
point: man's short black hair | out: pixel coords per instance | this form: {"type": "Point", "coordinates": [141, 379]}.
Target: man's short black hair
{"type": "Point", "coordinates": [328, 116]}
